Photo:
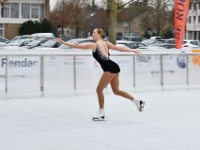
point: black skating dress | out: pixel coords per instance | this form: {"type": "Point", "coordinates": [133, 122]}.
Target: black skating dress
{"type": "Point", "coordinates": [106, 63]}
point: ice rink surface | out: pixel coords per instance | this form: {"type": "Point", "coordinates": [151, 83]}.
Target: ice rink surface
{"type": "Point", "coordinates": [170, 121]}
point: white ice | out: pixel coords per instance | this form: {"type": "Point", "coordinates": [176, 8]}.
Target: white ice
{"type": "Point", "coordinates": [170, 121]}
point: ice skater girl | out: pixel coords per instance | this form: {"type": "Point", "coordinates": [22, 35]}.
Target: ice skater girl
{"type": "Point", "coordinates": [100, 51]}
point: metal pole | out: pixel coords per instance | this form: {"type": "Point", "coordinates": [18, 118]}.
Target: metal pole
{"type": "Point", "coordinates": [187, 70]}
{"type": "Point", "coordinates": [6, 75]}
{"type": "Point", "coordinates": [161, 72]}
{"type": "Point", "coordinates": [75, 74]}
{"type": "Point", "coordinates": [42, 75]}
{"type": "Point", "coordinates": [134, 75]}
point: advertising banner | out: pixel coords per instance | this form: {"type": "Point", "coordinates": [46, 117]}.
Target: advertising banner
{"type": "Point", "coordinates": [147, 68]}
{"type": "Point", "coordinates": [87, 68]}
{"type": "Point", "coordinates": [194, 70]}
{"type": "Point", "coordinates": [2, 75]}
{"type": "Point", "coordinates": [23, 73]}
{"type": "Point", "coordinates": [58, 72]}
{"type": "Point", "coordinates": [174, 70]}
{"type": "Point", "coordinates": [180, 16]}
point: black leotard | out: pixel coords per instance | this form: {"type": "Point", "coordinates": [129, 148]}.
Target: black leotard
{"type": "Point", "coordinates": [106, 63]}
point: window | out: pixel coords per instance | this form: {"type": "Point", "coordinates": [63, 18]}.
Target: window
{"type": "Point", "coordinates": [42, 11]}
{"type": "Point", "coordinates": [133, 46]}
{"type": "Point", "coordinates": [195, 5]}
{"type": "Point", "coordinates": [193, 42]}
{"type": "Point", "coordinates": [1, 30]}
{"type": "Point", "coordinates": [10, 10]}
{"type": "Point", "coordinates": [194, 19]}
{"type": "Point", "coordinates": [141, 45]}
{"type": "Point", "coordinates": [171, 41]}
{"type": "Point", "coordinates": [5, 10]}
{"type": "Point", "coordinates": [34, 11]}
{"type": "Point", "coordinates": [189, 19]}
{"type": "Point", "coordinates": [25, 10]}
{"type": "Point", "coordinates": [14, 10]}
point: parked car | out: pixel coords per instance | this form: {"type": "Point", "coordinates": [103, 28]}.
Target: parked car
{"type": "Point", "coordinates": [162, 46]}
{"type": "Point", "coordinates": [52, 43]}
{"type": "Point", "coordinates": [36, 43]}
{"type": "Point", "coordinates": [155, 37]}
{"type": "Point", "coordinates": [186, 43]}
{"type": "Point", "coordinates": [117, 38]}
{"type": "Point", "coordinates": [15, 45]}
{"type": "Point", "coordinates": [4, 40]}
{"type": "Point", "coordinates": [133, 38]}
{"type": "Point", "coordinates": [191, 43]}
{"type": "Point", "coordinates": [120, 45]}
{"type": "Point", "coordinates": [132, 44]}
{"type": "Point", "coordinates": [153, 41]}
{"type": "Point", "coordinates": [51, 35]}
{"type": "Point", "coordinates": [171, 41]}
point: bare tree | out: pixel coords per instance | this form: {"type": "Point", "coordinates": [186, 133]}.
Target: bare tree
{"type": "Point", "coordinates": [112, 8]}
{"type": "Point", "coordinates": [128, 14]}
{"type": "Point", "coordinates": [70, 13]}
{"type": "Point", "coordinates": [156, 16]}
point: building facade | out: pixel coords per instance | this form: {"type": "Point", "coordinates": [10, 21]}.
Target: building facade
{"type": "Point", "coordinates": [14, 12]}
{"type": "Point", "coordinates": [193, 22]}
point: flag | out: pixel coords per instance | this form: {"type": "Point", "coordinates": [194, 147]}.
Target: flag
{"type": "Point", "coordinates": [180, 17]}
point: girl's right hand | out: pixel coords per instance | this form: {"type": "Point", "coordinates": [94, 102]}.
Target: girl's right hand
{"type": "Point", "coordinates": [59, 40]}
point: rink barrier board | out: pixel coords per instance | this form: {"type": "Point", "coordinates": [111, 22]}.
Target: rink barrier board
{"type": "Point", "coordinates": [135, 85]}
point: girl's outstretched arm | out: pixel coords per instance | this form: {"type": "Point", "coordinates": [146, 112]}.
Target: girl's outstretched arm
{"type": "Point", "coordinates": [84, 46]}
{"type": "Point", "coordinates": [122, 49]}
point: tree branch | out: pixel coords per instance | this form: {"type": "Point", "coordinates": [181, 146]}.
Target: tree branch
{"type": "Point", "coordinates": [121, 6]}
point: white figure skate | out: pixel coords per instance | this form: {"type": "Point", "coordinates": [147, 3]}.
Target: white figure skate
{"type": "Point", "coordinates": [99, 116]}
{"type": "Point", "coordinates": [139, 104]}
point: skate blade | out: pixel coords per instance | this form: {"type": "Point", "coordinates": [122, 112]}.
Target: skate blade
{"type": "Point", "coordinates": [99, 119]}
{"type": "Point", "coordinates": [141, 106]}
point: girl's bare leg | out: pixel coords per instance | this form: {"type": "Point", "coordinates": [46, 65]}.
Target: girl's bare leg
{"type": "Point", "coordinates": [106, 78]}
{"type": "Point", "coordinates": [115, 87]}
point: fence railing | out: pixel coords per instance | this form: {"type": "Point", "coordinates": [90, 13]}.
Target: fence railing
{"type": "Point", "coordinates": [48, 72]}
